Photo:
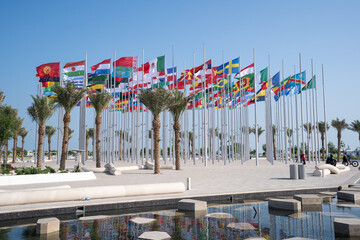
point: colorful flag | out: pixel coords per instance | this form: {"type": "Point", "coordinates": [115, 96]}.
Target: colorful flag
{"type": "Point", "coordinates": [124, 68]}
{"type": "Point", "coordinates": [74, 72]}
{"type": "Point", "coordinates": [230, 67]}
{"type": "Point", "coordinates": [99, 72]}
{"type": "Point", "coordinates": [263, 75]}
{"type": "Point", "coordinates": [48, 72]}
{"type": "Point", "coordinates": [310, 84]}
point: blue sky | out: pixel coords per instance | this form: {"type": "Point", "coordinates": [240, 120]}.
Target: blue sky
{"type": "Point", "coordinates": [37, 32]}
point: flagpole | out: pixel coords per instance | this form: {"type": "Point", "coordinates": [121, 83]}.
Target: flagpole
{"type": "Point", "coordinates": [60, 122]}
{"type": "Point", "coordinates": [324, 100]}
{"type": "Point", "coordinates": [256, 123]}
{"type": "Point", "coordinates": [193, 110]}
{"type": "Point", "coordinates": [186, 132]}
{"type": "Point", "coordinates": [317, 121]}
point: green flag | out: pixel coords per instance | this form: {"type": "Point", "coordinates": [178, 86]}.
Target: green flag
{"type": "Point", "coordinates": [263, 75]}
{"type": "Point", "coordinates": [161, 64]}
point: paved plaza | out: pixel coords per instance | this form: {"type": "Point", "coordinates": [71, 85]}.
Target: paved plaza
{"type": "Point", "coordinates": [215, 179]}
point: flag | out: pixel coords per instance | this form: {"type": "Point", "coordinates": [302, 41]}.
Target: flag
{"type": "Point", "coordinates": [263, 75]}
{"type": "Point", "coordinates": [310, 84]}
{"type": "Point", "coordinates": [276, 79]}
{"type": "Point", "coordinates": [298, 78]}
{"type": "Point", "coordinates": [189, 74]}
{"type": "Point", "coordinates": [48, 72]}
{"type": "Point", "coordinates": [74, 72]}
{"type": "Point", "coordinates": [99, 73]}
{"type": "Point", "coordinates": [123, 69]}
{"type": "Point", "coordinates": [230, 67]}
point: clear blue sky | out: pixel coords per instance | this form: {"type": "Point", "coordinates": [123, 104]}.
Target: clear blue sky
{"type": "Point", "coordinates": [37, 32]}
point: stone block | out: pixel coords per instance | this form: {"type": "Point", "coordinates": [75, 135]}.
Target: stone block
{"type": "Point", "coordinates": [115, 172]}
{"type": "Point", "coordinates": [192, 205]}
{"type": "Point", "coordinates": [307, 199]}
{"type": "Point", "coordinates": [240, 226]}
{"type": "Point", "coordinates": [285, 204]}
{"type": "Point", "coordinates": [142, 220]}
{"type": "Point", "coordinates": [155, 235]}
{"type": "Point", "coordinates": [47, 225]}
{"type": "Point", "coordinates": [347, 226]}
{"type": "Point", "coordinates": [92, 218]}
{"type": "Point", "coordinates": [351, 196]}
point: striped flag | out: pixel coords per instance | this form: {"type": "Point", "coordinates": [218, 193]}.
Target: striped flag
{"type": "Point", "coordinates": [74, 72]}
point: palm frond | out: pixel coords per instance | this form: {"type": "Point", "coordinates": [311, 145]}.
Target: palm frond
{"type": "Point", "coordinates": [100, 101]}
{"type": "Point", "coordinates": [68, 96]}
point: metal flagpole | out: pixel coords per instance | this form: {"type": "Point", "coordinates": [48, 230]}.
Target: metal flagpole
{"type": "Point", "coordinates": [82, 119]}
{"type": "Point", "coordinates": [223, 117]}
{"type": "Point", "coordinates": [307, 118]}
{"type": "Point", "coordinates": [301, 110]}
{"type": "Point", "coordinates": [285, 127]}
{"type": "Point", "coordinates": [256, 123]}
{"type": "Point", "coordinates": [297, 124]}
{"type": "Point", "coordinates": [204, 108]}
{"type": "Point", "coordinates": [60, 123]}
{"type": "Point", "coordinates": [193, 111]}
{"type": "Point", "coordinates": [165, 124]}
{"type": "Point", "coordinates": [186, 132]}
{"type": "Point", "coordinates": [317, 121]}
{"type": "Point", "coordinates": [325, 122]}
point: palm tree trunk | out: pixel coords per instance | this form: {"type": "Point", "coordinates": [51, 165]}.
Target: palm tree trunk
{"type": "Point", "coordinates": [49, 143]}
{"type": "Point", "coordinates": [86, 148]}
{"type": "Point", "coordinates": [22, 148]}
{"type": "Point", "coordinates": [98, 120]}
{"type": "Point", "coordinates": [1, 145]}
{"type": "Point", "coordinates": [40, 146]}
{"type": "Point", "coordinates": [274, 147]}
{"type": "Point", "coordinates": [323, 147]}
{"type": "Point", "coordinates": [339, 144]}
{"type": "Point", "coordinates": [6, 149]}
{"type": "Point", "coordinates": [65, 141]}
{"type": "Point", "coordinates": [15, 147]}
{"type": "Point", "coordinates": [177, 128]}
{"type": "Point", "coordinates": [156, 127]}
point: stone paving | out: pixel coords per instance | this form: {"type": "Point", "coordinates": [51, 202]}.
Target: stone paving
{"type": "Point", "coordinates": [211, 180]}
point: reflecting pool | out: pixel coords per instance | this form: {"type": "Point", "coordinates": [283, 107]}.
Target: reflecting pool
{"type": "Point", "coordinates": [222, 221]}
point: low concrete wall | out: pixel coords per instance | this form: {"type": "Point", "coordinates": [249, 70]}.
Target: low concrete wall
{"type": "Point", "coordinates": [45, 178]}
{"type": "Point", "coordinates": [73, 194]}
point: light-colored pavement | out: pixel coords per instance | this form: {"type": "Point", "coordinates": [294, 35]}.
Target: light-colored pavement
{"type": "Point", "coordinates": [212, 180]}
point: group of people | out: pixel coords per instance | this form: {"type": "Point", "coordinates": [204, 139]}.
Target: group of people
{"type": "Point", "coordinates": [331, 160]}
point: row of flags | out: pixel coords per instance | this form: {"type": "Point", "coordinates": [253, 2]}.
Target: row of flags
{"type": "Point", "coordinates": [218, 87]}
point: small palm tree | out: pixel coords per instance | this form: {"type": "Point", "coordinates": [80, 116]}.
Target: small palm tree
{"type": "Point", "coordinates": [191, 140]}
{"type": "Point", "coordinates": [2, 97]}
{"type": "Point", "coordinates": [177, 105]}
{"type": "Point", "coordinates": [67, 97]}
{"type": "Point", "coordinates": [40, 111]}
{"type": "Point", "coordinates": [16, 129]}
{"type": "Point", "coordinates": [253, 130]}
{"type": "Point", "coordinates": [308, 128]}
{"type": "Point", "coordinates": [99, 101]}
{"type": "Point", "coordinates": [8, 116]}
{"type": "Point", "coordinates": [340, 125]}
{"type": "Point", "coordinates": [22, 133]}
{"type": "Point", "coordinates": [156, 101]}
{"type": "Point", "coordinates": [273, 139]}
{"type": "Point", "coordinates": [89, 134]}
{"type": "Point", "coordinates": [322, 130]}
{"type": "Point", "coordinates": [289, 133]}
{"type": "Point", "coordinates": [49, 132]}
{"type": "Point", "coordinates": [355, 126]}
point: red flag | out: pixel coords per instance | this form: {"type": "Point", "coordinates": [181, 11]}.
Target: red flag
{"type": "Point", "coordinates": [48, 72]}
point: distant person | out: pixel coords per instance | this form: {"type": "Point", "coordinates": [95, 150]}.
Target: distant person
{"type": "Point", "coordinates": [302, 157]}
{"type": "Point", "coordinates": [331, 160]}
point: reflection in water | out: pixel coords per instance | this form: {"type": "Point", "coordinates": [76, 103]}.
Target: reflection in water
{"type": "Point", "coordinates": [234, 221]}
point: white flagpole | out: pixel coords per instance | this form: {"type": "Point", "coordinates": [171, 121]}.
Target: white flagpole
{"type": "Point", "coordinates": [301, 110]}
{"type": "Point", "coordinates": [256, 123]}
{"type": "Point", "coordinates": [193, 111]}
{"type": "Point", "coordinates": [204, 108]}
{"type": "Point", "coordinates": [285, 125]}
{"type": "Point", "coordinates": [317, 120]}
{"type": "Point", "coordinates": [325, 122]}
{"type": "Point", "coordinates": [82, 119]}
{"type": "Point", "coordinates": [60, 123]}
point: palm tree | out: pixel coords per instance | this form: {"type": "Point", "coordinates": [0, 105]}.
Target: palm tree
{"type": "Point", "coordinates": [156, 101]}
{"type": "Point", "coordinates": [322, 130]}
{"type": "Point", "coordinates": [253, 130]}
{"type": "Point", "coordinates": [340, 126]}
{"type": "Point", "coordinates": [308, 128]}
{"type": "Point", "coordinates": [355, 126]}
{"type": "Point", "coordinates": [2, 97]}
{"type": "Point", "coordinates": [273, 139]}
{"type": "Point", "coordinates": [16, 129]}
{"type": "Point", "coordinates": [49, 132]}
{"type": "Point", "coordinates": [40, 111]}
{"type": "Point", "coordinates": [211, 132]}
{"type": "Point", "coordinates": [177, 106]}
{"type": "Point", "coordinates": [8, 116]}
{"type": "Point", "coordinates": [22, 133]}
{"type": "Point", "coordinates": [99, 101]}
{"type": "Point", "coordinates": [89, 134]}
{"type": "Point", "coordinates": [289, 133]}
{"type": "Point", "coordinates": [67, 97]}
